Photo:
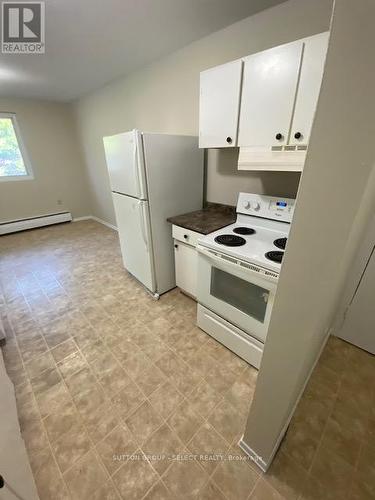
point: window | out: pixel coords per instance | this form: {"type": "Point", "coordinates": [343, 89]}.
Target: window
{"type": "Point", "coordinates": [14, 164]}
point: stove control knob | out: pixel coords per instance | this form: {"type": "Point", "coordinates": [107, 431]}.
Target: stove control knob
{"type": "Point", "coordinates": [256, 206]}
{"type": "Point", "coordinates": [246, 205]}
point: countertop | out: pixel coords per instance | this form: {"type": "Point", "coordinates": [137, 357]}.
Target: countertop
{"type": "Point", "coordinates": [209, 219]}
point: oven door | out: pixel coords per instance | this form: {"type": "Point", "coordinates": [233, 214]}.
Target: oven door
{"type": "Point", "coordinates": [240, 295]}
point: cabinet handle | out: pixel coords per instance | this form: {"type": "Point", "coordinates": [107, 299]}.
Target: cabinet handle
{"type": "Point", "coordinates": [2, 482]}
{"type": "Point", "coordinates": [229, 140]}
{"type": "Point", "coordinates": [298, 135]}
{"type": "Point", "coordinates": [186, 236]}
{"type": "Point", "coordinates": [176, 246]}
{"type": "Point", "coordinates": [279, 136]}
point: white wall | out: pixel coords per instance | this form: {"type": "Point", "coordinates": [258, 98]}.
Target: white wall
{"type": "Point", "coordinates": [224, 181]}
{"type": "Point", "coordinates": [49, 134]}
{"type": "Point", "coordinates": [326, 228]}
{"type": "Point", "coordinates": [163, 97]}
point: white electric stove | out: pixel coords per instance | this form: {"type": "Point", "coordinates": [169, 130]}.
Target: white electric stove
{"type": "Point", "coordinates": [238, 270]}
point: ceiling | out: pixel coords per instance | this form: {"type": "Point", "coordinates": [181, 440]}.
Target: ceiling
{"type": "Point", "coordinates": [90, 43]}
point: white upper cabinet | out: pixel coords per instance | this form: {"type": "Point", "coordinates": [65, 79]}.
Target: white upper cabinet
{"type": "Point", "coordinates": [220, 90]}
{"type": "Point", "coordinates": [268, 94]}
{"type": "Point", "coordinates": [315, 49]}
{"type": "Point", "coordinates": [265, 104]}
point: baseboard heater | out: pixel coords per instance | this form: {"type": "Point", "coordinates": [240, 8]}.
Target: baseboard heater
{"type": "Point", "coordinates": [33, 222]}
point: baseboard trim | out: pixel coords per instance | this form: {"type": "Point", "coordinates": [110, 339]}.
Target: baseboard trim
{"type": "Point", "coordinates": [101, 221]}
{"type": "Point", "coordinates": [262, 464]}
{"type": "Point", "coordinates": [92, 217]}
{"type": "Point", "coordinates": [254, 456]}
{"type": "Point", "coordinates": [79, 219]}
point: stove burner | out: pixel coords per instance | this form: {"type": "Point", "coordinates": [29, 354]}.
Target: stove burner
{"type": "Point", "coordinates": [230, 240]}
{"type": "Point", "coordinates": [275, 256]}
{"type": "Point", "coordinates": [280, 243]}
{"type": "Point", "coordinates": [243, 230]}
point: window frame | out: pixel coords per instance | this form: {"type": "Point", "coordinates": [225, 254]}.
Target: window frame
{"type": "Point", "coordinates": [25, 157]}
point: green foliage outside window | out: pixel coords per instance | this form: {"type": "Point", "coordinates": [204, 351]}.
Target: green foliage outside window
{"type": "Point", "coordinates": [11, 161]}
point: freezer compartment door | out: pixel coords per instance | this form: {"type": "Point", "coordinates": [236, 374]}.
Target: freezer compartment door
{"type": "Point", "coordinates": [124, 157]}
{"type": "Point", "coordinates": [134, 232]}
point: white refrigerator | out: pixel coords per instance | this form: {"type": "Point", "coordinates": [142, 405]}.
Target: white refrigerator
{"type": "Point", "coordinates": [152, 177]}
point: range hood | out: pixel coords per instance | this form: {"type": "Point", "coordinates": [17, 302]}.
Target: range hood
{"type": "Point", "coordinates": [277, 158]}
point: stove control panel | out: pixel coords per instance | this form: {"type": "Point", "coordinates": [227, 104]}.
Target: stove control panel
{"type": "Point", "coordinates": [268, 207]}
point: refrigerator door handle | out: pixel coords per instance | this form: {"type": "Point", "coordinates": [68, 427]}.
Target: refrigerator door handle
{"type": "Point", "coordinates": [136, 168]}
{"type": "Point", "coordinates": [142, 221]}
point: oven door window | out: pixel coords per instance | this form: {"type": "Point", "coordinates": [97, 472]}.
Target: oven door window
{"type": "Point", "coordinates": [249, 298]}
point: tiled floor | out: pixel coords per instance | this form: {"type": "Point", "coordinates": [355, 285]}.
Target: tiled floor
{"type": "Point", "coordinates": [120, 396]}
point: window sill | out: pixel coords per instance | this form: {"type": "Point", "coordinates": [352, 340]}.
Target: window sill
{"type": "Point", "coordinates": [17, 178]}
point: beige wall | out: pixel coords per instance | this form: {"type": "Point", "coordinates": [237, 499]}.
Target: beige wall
{"type": "Point", "coordinates": [49, 134]}
{"type": "Point", "coordinates": [163, 97]}
{"type": "Point", "coordinates": [332, 211]}
{"type": "Point", "coordinates": [224, 181]}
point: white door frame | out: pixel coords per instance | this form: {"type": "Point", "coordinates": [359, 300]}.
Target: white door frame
{"type": "Point", "coordinates": [355, 274]}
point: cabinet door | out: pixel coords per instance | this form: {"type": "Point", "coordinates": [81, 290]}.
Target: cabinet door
{"type": "Point", "coordinates": [268, 93]}
{"type": "Point", "coordinates": [219, 105]}
{"type": "Point", "coordinates": [313, 60]}
{"type": "Point", "coordinates": [186, 268]}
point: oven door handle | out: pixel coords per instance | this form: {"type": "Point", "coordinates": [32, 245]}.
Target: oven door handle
{"type": "Point", "coordinates": [260, 276]}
